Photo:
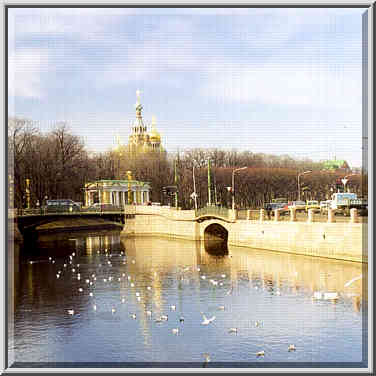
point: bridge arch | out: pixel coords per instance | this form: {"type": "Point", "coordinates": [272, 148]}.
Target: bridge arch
{"type": "Point", "coordinates": [215, 239]}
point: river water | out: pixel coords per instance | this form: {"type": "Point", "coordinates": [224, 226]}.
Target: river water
{"type": "Point", "coordinates": [266, 296]}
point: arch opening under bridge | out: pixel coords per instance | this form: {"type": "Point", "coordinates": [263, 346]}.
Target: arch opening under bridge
{"type": "Point", "coordinates": [215, 239]}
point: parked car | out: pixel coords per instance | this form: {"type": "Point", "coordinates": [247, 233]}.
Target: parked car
{"type": "Point", "coordinates": [298, 205]}
{"type": "Point", "coordinates": [312, 204]}
{"type": "Point", "coordinates": [271, 206]}
{"type": "Point", "coordinates": [63, 205]}
{"type": "Point", "coordinates": [103, 207]}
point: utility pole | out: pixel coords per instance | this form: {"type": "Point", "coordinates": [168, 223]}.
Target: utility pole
{"type": "Point", "coordinates": [176, 183]}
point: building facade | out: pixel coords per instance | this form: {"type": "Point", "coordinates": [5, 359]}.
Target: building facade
{"type": "Point", "coordinates": [117, 192]}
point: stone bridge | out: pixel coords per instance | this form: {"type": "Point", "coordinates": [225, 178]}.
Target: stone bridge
{"type": "Point", "coordinates": [345, 240]}
{"type": "Point", "coordinates": [28, 221]}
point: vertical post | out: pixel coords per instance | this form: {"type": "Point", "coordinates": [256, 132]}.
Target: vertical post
{"type": "Point", "coordinates": [27, 193]}
{"type": "Point", "coordinates": [194, 188]}
{"type": "Point", "coordinates": [209, 184]}
{"type": "Point", "coordinates": [129, 177]}
{"type": "Point", "coordinates": [262, 215]}
{"type": "Point", "coordinates": [311, 215]}
{"type": "Point", "coordinates": [354, 215]}
{"type": "Point", "coordinates": [298, 188]}
{"type": "Point", "coordinates": [331, 218]}
{"type": "Point", "coordinates": [176, 182]}
{"type": "Point", "coordinates": [293, 215]}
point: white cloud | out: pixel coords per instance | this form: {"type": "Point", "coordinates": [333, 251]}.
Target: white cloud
{"type": "Point", "coordinates": [286, 85]}
{"type": "Point", "coordinates": [24, 72]}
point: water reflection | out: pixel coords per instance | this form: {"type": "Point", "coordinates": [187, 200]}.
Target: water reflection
{"type": "Point", "coordinates": [146, 277]}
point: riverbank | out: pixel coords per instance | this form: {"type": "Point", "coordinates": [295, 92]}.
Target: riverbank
{"type": "Point", "coordinates": [67, 224]}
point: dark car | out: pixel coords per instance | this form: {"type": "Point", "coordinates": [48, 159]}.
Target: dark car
{"type": "Point", "coordinates": [62, 205]}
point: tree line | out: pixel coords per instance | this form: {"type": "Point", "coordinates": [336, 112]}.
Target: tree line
{"type": "Point", "coordinates": [58, 165]}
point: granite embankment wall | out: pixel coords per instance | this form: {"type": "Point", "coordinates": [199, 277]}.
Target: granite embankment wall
{"type": "Point", "coordinates": [344, 241]}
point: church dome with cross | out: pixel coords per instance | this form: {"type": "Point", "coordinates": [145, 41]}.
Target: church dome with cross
{"type": "Point", "coordinates": [140, 140]}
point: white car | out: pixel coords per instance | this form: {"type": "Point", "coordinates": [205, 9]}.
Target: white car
{"type": "Point", "coordinates": [298, 205]}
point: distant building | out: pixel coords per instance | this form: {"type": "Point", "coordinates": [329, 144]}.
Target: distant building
{"type": "Point", "coordinates": [337, 165]}
{"type": "Point", "coordinates": [117, 192]}
{"type": "Point", "coordinates": [140, 140]}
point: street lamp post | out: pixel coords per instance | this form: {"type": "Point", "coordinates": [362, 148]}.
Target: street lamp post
{"type": "Point", "coordinates": [194, 188]}
{"type": "Point", "coordinates": [345, 180]}
{"type": "Point", "coordinates": [232, 187]}
{"type": "Point", "coordinates": [299, 175]}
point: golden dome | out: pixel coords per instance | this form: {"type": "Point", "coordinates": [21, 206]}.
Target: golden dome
{"type": "Point", "coordinates": [153, 134]}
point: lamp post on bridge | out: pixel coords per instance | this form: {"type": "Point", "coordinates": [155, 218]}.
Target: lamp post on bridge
{"type": "Point", "coordinates": [299, 175]}
{"type": "Point", "coordinates": [232, 187]}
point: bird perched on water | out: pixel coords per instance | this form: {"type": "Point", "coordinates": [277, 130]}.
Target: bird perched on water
{"type": "Point", "coordinates": [233, 330]}
{"type": "Point", "coordinates": [133, 315]}
{"type": "Point", "coordinates": [206, 320]}
{"type": "Point", "coordinates": [260, 353]}
{"type": "Point", "coordinates": [164, 317]}
{"type": "Point", "coordinates": [80, 289]}
{"type": "Point", "coordinates": [71, 311]}
{"type": "Point", "coordinates": [175, 331]}
{"type": "Point", "coordinates": [173, 308]}
{"type": "Point", "coordinates": [291, 348]}
{"type": "Point", "coordinates": [181, 319]}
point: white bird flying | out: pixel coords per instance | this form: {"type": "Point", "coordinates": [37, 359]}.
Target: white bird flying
{"type": "Point", "coordinates": [206, 320]}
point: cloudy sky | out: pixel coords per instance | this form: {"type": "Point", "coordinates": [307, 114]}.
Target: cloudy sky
{"type": "Point", "coordinates": [279, 81]}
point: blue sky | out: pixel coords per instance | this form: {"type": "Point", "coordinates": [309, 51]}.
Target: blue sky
{"type": "Point", "coordinates": [279, 81]}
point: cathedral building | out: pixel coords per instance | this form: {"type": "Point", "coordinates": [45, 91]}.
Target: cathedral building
{"type": "Point", "coordinates": [140, 140]}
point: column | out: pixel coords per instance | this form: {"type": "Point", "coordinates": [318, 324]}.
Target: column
{"type": "Point", "coordinates": [262, 215]}
{"type": "Point", "coordinates": [331, 217]}
{"type": "Point", "coordinates": [354, 215]}
{"type": "Point", "coordinates": [311, 215]}
{"type": "Point", "coordinates": [293, 215]}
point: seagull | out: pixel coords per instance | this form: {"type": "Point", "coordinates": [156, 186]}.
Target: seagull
{"type": "Point", "coordinates": [203, 277]}
{"type": "Point", "coordinates": [207, 358]}
{"type": "Point", "coordinates": [347, 284]}
{"type": "Point", "coordinates": [104, 280]}
{"type": "Point", "coordinates": [173, 308]}
{"type": "Point", "coordinates": [65, 265]}
{"type": "Point", "coordinates": [129, 278]}
{"type": "Point", "coordinates": [164, 317]}
{"type": "Point", "coordinates": [139, 298]}
{"type": "Point", "coordinates": [50, 258]}
{"type": "Point", "coordinates": [94, 307]}
{"type": "Point", "coordinates": [137, 294]}
{"type": "Point", "coordinates": [206, 320]}
{"type": "Point", "coordinates": [90, 294]}
{"type": "Point", "coordinates": [291, 348]}
{"type": "Point", "coordinates": [149, 288]}
{"type": "Point", "coordinates": [73, 270]}
{"type": "Point", "coordinates": [123, 275]}
{"type": "Point", "coordinates": [132, 284]}
{"type": "Point", "coordinates": [80, 289]}
{"type": "Point", "coordinates": [113, 310]}
{"type": "Point", "coordinates": [148, 313]}
{"type": "Point", "coordinates": [221, 307]}
{"type": "Point", "coordinates": [78, 265]}
{"type": "Point", "coordinates": [123, 300]}
{"type": "Point", "coordinates": [133, 315]}
{"type": "Point", "coordinates": [181, 319]}
{"type": "Point", "coordinates": [71, 311]}
{"type": "Point", "coordinates": [229, 292]}
{"type": "Point", "coordinates": [87, 281]}
{"type": "Point", "coordinates": [175, 331]}
{"type": "Point", "coordinates": [260, 353]}
{"type": "Point", "coordinates": [233, 330]}
{"type": "Point", "coordinates": [198, 269]}
{"type": "Point", "coordinates": [57, 275]}
{"type": "Point", "coordinates": [223, 275]}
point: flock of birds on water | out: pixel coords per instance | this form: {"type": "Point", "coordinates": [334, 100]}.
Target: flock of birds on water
{"type": "Point", "coordinates": [91, 280]}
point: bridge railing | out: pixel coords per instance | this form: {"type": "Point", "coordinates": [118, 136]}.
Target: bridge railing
{"type": "Point", "coordinates": [43, 211]}
{"type": "Point", "coordinates": [214, 210]}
